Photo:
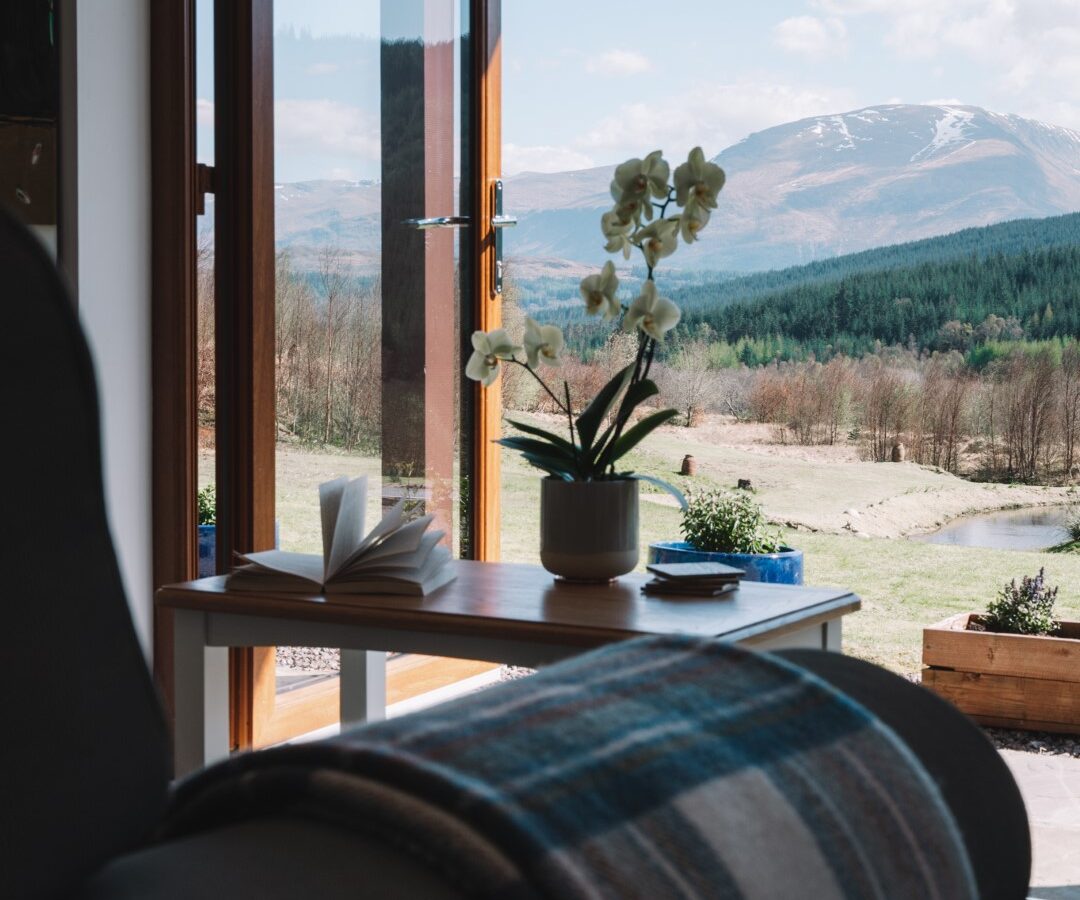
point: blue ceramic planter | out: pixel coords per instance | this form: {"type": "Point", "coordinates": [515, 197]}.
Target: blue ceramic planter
{"type": "Point", "coordinates": [785, 567]}
{"type": "Point", "coordinates": [208, 548]}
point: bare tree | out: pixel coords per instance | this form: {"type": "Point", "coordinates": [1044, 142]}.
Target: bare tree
{"type": "Point", "coordinates": [689, 382]}
{"type": "Point", "coordinates": [1069, 387]}
{"type": "Point", "coordinates": [886, 408]}
{"type": "Point", "coordinates": [333, 282]}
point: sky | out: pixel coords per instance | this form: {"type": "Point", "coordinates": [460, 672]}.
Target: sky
{"type": "Point", "coordinates": [593, 82]}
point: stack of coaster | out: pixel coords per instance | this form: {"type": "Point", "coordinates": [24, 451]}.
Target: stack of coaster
{"type": "Point", "coordinates": [697, 579]}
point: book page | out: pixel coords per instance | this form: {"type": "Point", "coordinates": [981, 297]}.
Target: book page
{"type": "Point", "coordinates": [404, 541]}
{"type": "Point", "coordinates": [300, 565]}
{"type": "Point", "coordinates": [329, 507]}
{"type": "Point", "coordinates": [415, 558]}
{"type": "Point", "coordinates": [348, 527]}
{"type": "Point", "coordinates": [390, 523]}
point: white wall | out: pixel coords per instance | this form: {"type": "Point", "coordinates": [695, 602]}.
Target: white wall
{"type": "Point", "coordinates": [113, 73]}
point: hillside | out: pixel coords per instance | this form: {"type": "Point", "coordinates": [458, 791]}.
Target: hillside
{"type": "Point", "coordinates": [892, 294]}
{"type": "Point", "coordinates": [1037, 292]}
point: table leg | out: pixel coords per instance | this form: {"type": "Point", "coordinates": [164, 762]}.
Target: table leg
{"type": "Point", "coordinates": [363, 686]}
{"type": "Point", "coordinates": [201, 675]}
{"type": "Point", "coordinates": [832, 636]}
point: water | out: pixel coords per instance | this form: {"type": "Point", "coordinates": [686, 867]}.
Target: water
{"type": "Point", "coordinates": [1017, 529]}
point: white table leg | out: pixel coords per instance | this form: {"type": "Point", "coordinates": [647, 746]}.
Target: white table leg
{"type": "Point", "coordinates": [833, 635]}
{"type": "Point", "coordinates": [201, 674]}
{"type": "Point", "coordinates": [363, 686]}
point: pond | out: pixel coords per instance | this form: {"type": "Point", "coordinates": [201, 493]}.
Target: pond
{"type": "Point", "coordinates": [1033, 528]}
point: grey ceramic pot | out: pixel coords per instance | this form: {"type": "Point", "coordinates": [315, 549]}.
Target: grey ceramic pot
{"type": "Point", "coordinates": [589, 529]}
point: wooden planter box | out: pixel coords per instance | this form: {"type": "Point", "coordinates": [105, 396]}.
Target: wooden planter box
{"type": "Point", "coordinates": [1006, 680]}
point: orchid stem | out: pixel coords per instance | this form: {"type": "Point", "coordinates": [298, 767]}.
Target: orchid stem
{"type": "Point", "coordinates": [569, 412]}
{"type": "Point", "coordinates": [543, 384]}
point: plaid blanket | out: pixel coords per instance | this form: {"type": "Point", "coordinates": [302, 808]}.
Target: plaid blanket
{"type": "Point", "coordinates": [657, 768]}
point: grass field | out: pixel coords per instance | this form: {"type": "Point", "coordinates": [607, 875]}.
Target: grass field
{"type": "Point", "coordinates": [848, 517]}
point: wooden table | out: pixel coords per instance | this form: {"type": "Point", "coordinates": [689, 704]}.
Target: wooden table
{"type": "Point", "coordinates": [499, 612]}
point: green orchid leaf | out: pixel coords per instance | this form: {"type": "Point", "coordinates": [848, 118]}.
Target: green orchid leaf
{"type": "Point", "coordinates": [589, 421]}
{"type": "Point", "coordinates": [638, 393]}
{"type": "Point", "coordinates": [635, 435]}
{"type": "Point", "coordinates": [549, 436]}
{"type": "Point", "coordinates": [664, 486]}
{"type": "Point", "coordinates": [539, 448]}
{"type": "Point", "coordinates": [547, 465]}
{"type": "Point", "coordinates": [635, 394]}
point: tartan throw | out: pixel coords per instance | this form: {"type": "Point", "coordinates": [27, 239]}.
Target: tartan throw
{"type": "Point", "coordinates": [658, 768]}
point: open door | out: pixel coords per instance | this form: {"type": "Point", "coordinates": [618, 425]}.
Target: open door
{"type": "Point", "coordinates": [352, 264]}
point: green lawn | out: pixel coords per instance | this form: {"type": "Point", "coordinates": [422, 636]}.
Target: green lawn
{"type": "Point", "coordinates": [904, 584]}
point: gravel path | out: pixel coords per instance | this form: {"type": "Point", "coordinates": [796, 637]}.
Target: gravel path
{"type": "Point", "coordinates": [308, 659]}
{"type": "Point", "coordinates": [1041, 742]}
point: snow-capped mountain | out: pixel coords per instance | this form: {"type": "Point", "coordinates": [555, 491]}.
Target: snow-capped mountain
{"type": "Point", "coordinates": [797, 192]}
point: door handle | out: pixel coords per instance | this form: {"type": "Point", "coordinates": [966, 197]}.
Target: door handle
{"type": "Point", "coordinates": [437, 222]}
{"type": "Point", "coordinates": [499, 222]}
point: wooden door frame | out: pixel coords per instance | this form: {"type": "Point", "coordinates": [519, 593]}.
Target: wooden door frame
{"type": "Point", "coordinates": [173, 311]}
{"type": "Point", "coordinates": [244, 271]}
{"type": "Point", "coordinates": [486, 150]}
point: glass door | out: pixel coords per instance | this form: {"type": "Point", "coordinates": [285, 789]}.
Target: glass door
{"type": "Point", "coordinates": [347, 160]}
{"type": "Point", "coordinates": [374, 292]}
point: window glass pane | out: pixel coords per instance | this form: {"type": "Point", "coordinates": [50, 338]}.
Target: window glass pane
{"type": "Point", "coordinates": [204, 287]}
{"type": "Point", "coordinates": [369, 318]}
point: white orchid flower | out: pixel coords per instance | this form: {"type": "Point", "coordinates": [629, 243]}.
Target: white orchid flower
{"type": "Point", "coordinates": [488, 350]}
{"type": "Point", "coordinates": [697, 182]}
{"type": "Point", "coordinates": [658, 240]}
{"type": "Point", "coordinates": [598, 292]}
{"type": "Point", "coordinates": [542, 342]}
{"type": "Point", "coordinates": [628, 211]}
{"type": "Point", "coordinates": [636, 182]}
{"type": "Point", "coordinates": [694, 217]}
{"type": "Point", "coordinates": [642, 177]}
{"type": "Point", "coordinates": [651, 313]}
{"type": "Point", "coordinates": [617, 234]}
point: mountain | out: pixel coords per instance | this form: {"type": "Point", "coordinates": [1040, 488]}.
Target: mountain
{"type": "Point", "coordinates": [831, 185]}
{"type": "Point", "coordinates": [807, 190]}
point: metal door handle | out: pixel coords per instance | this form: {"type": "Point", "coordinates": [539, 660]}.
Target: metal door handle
{"type": "Point", "coordinates": [437, 222]}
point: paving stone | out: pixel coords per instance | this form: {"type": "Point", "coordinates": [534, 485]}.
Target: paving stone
{"type": "Point", "coordinates": [1050, 786]}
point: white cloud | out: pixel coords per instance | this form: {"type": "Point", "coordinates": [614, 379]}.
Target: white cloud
{"type": "Point", "coordinates": [714, 116]}
{"type": "Point", "coordinates": [518, 158]}
{"type": "Point", "coordinates": [322, 69]}
{"type": "Point", "coordinates": [326, 126]}
{"type": "Point", "coordinates": [812, 37]}
{"type": "Point", "coordinates": [619, 62]}
{"type": "Point", "coordinates": [204, 112]}
{"type": "Point", "coordinates": [1030, 48]}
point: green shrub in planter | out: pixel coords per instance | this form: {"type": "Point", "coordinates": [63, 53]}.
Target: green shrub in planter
{"type": "Point", "coordinates": [722, 522]}
{"type": "Point", "coordinates": [206, 505]}
{"type": "Point", "coordinates": [1025, 608]}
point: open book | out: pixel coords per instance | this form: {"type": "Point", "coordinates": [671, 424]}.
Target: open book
{"type": "Point", "coordinates": [395, 557]}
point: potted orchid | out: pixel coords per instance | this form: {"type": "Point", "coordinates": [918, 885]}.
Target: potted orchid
{"type": "Point", "coordinates": [588, 504]}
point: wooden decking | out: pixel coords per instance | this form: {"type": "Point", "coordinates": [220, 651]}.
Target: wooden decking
{"type": "Point", "coordinates": [313, 706]}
